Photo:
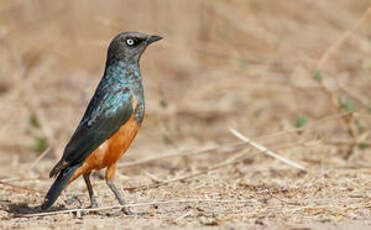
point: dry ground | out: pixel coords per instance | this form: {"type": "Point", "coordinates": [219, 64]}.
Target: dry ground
{"type": "Point", "coordinates": [264, 68]}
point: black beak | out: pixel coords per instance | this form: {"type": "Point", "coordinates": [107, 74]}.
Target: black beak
{"type": "Point", "coordinates": [153, 38]}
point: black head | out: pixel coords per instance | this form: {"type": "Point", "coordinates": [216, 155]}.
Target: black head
{"type": "Point", "coordinates": [129, 46]}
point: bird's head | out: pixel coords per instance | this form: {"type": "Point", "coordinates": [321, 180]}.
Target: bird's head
{"type": "Point", "coordinates": [129, 46]}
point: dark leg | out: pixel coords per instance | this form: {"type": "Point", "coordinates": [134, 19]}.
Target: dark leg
{"type": "Point", "coordinates": [110, 175]}
{"type": "Point", "coordinates": [93, 202]}
{"type": "Point", "coordinates": [115, 191]}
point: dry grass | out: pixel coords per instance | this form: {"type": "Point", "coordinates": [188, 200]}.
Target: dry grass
{"type": "Point", "coordinates": [292, 76]}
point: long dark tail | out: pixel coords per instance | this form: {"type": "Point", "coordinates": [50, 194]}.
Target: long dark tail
{"type": "Point", "coordinates": [59, 184]}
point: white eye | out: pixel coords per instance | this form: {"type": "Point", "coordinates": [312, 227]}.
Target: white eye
{"type": "Point", "coordinates": [130, 42]}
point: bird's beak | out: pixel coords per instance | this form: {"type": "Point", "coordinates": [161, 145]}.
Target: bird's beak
{"type": "Point", "coordinates": [153, 38]}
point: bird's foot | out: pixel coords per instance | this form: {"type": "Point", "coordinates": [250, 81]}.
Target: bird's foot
{"type": "Point", "coordinates": [72, 200]}
{"type": "Point", "coordinates": [127, 212]}
{"type": "Point", "coordinates": [93, 204]}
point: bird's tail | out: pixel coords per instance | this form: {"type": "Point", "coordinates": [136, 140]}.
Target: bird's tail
{"type": "Point", "coordinates": [59, 184]}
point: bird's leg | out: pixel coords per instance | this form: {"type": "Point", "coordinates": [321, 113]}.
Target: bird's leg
{"type": "Point", "coordinates": [114, 189]}
{"type": "Point", "coordinates": [93, 201]}
{"type": "Point", "coordinates": [110, 174]}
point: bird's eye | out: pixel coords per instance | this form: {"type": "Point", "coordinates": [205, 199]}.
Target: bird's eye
{"type": "Point", "coordinates": [130, 42]}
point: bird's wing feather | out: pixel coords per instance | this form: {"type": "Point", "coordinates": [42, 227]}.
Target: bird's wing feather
{"type": "Point", "coordinates": [105, 114]}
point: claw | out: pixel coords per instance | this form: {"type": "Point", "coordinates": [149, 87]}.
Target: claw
{"type": "Point", "coordinates": [72, 200]}
{"type": "Point", "coordinates": [126, 211]}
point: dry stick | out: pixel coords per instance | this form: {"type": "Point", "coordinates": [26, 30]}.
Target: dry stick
{"type": "Point", "coordinates": [345, 142]}
{"type": "Point", "coordinates": [41, 156]}
{"type": "Point", "coordinates": [34, 107]}
{"type": "Point", "coordinates": [12, 179]}
{"type": "Point", "coordinates": [265, 150]}
{"type": "Point", "coordinates": [20, 187]}
{"type": "Point", "coordinates": [213, 148]}
{"type": "Point", "coordinates": [361, 98]}
{"type": "Point", "coordinates": [235, 159]}
{"type": "Point", "coordinates": [177, 154]}
{"type": "Point", "coordinates": [153, 177]}
{"type": "Point", "coordinates": [229, 161]}
{"type": "Point", "coordinates": [342, 39]}
{"type": "Point", "coordinates": [33, 104]}
{"type": "Point", "coordinates": [131, 205]}
{"type": "Point", "coordinates": [210, 149]}
{"type": "Point", "coordinates": [347, 120]}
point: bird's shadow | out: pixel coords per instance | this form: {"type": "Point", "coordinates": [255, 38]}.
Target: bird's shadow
{"type": "Point", "coordinates": [18, 210]}
{"type": "Point", "coordinates": [21, 209]}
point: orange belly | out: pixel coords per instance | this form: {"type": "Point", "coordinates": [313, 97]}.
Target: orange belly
{"type": "Point", "coordinates": [108, 153]}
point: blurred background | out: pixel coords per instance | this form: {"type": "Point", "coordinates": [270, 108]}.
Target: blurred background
{"type": "Point", "coordinates": [262, 67]}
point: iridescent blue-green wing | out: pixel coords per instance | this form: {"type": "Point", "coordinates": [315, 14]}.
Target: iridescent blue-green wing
{"type": "Point", "coordinates": [106, 113]}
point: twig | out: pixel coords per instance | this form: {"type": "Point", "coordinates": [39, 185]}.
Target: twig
{"type": "Point", "coordinates": [12, 179]}
{"type": "Point", "coordinates": [361, 98]}
{"type": "Point", "coordinates": [153, 177]}
{"type": "Point", "coordinates": [214, 148]}
{"type": "Point", "coordinates": [345, 142]}
{"type": "Point", "coordinates": [342, 39]}
{"type": "Point", "coordinates": [265, 150]}
{"type": "Point", "coordinates": [348, 120]}
{"type": "Point", "coordinates": [229, 161]}
{"type": "Point", "coordinates": [180, 154]}
{"type": "Point", "coordinates": [20, 187]}
{"type": "Point", "coordinates": [235, 159]}
{"type": "Point", "coordinates": [132, 205]}
{"type": "Point", "coordinates": [46, 152]}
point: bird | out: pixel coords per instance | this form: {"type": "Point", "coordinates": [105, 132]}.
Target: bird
{"type": "Point", "coordinates": [110, 123]}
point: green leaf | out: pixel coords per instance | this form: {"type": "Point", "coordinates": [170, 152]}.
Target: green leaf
{"type": "Point", "coordinates": [317, 75]}
{"type": "Point", "coordinates": [302, 120]}
{"type": "Point", "coordinates": [347, 105]}
{"type": "Point", "coordinates": [363, 146]}
{"type": "Point", "coordinates": [166, 139]}
{"type": "Point", "coordinates": [163, 103]}
{"type": "Point", "coordinates": [40, 144]}
{"type": "Point", "coordinates": [32, 119]}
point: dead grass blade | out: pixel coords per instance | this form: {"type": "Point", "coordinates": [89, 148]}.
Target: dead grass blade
{"type": "Point", "coordinates": [20, 188]}
{"type": "Point", "coordinates": [348, 120]}
{"type": "Point", "coordinates": [231, 146]}
{"type": "Point", "coordinates": [342, 39]}
{"type": "Point", "coordinates": [132, 205]}
{"type": "Point", "coordinates": [41, 156]}
{"type": "Point", "coordinates": [180, 154]}
{"type": "Point", "coordinates": [235, 159]}
{"type": "Point", "coordinates": [265, 150]}
{"type": "Point", "coordinates": [229, 161]}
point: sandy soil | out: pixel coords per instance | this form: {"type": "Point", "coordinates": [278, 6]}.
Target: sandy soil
{"type": "Point", "coordinates": [292, 76]}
